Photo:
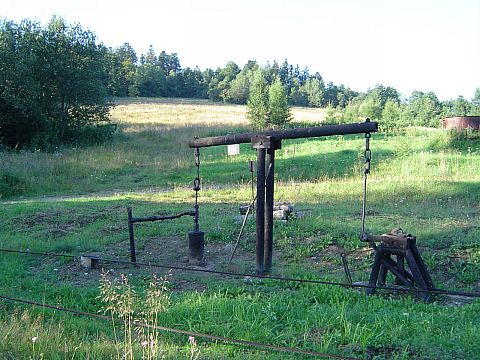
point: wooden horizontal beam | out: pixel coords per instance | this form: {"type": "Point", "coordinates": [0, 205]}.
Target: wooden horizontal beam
{"type": "Point", "coordinates": [316, 131]}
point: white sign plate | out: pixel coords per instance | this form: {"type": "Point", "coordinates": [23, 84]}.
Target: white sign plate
{"type": "Point", "coordinates": [233, 149]}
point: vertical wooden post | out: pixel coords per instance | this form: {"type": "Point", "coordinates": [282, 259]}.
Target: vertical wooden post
{"type": "Point", "coordinates": [260, 214]}
{"type": "Point", "coordinates": [269, 195]}
{"type": "Point", "coordinates": [266, 147]}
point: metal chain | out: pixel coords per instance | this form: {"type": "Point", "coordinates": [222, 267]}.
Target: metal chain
{"type": "Point", "coordinates": [196, 188]}
{"type": "Point", "coordinates": [367, 154]}
{"type": "Point", "coordinates": [367, 157]}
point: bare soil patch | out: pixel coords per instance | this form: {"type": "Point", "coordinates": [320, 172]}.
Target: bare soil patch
{"type": "Point", "coordinates": [165, 251]}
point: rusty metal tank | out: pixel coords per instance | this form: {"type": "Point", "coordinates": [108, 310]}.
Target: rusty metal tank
{"type": "Point", "coordinates": [461, 123]}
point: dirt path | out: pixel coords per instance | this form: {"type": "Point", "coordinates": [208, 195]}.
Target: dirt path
{"type": "Point", "coordinates": [93, 195]}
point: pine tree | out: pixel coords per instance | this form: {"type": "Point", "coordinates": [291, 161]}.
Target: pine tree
{"type": "Point", "coordinates": [279, 111]}
{"type": "Point", "coordinates": [257, 105]}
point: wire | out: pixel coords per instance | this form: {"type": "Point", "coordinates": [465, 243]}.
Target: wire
{"type": "Point", "coordinates": [278, 278]}
{"type": "Point", "coordinates": [185, 332]}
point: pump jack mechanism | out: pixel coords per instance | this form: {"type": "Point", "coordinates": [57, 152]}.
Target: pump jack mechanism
{"type": "Point", "coordinates": [196, 237]}
{"type": "Point", "coordinates": [395, 243]}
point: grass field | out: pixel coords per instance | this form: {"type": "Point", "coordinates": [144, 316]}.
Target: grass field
{"type": "Point", "coordinates": [73, 201]}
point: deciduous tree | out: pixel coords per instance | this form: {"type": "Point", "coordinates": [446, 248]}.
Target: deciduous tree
{"type": "Point", "coordinates": [257, 105]}
{"type": "Point", "coordinates": [279, 111]}
{"type": "Point", "coordinates": [53, 82]}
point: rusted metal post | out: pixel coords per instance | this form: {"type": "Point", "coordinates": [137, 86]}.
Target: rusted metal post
{"type": "Point", "coordinates": [266, 147]}
{"type": "Point", "coordinates": [133, 255]}
{"type": "Point", "coordinates": [260, 214]}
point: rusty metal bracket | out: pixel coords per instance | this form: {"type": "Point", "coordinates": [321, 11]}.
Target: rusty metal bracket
{"type": "Point", "coordinates": [266, 142]}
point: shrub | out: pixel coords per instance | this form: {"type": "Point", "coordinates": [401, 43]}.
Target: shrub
{"type": "Point", "coordinates": [53, 83]}
{"type": "Point", "coordinates": [11, 186]}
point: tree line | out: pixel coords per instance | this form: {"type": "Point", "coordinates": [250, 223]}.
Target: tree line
{"type": "Point", "coordinates": [153, 74]}
{"type": "Point", "coordinates": [385, 105]}
{"type": "Point", "coordinates": [162, 75]}
{"type": "Point", "coordinates": [56, 82]}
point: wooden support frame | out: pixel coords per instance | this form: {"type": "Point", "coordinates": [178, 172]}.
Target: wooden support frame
{"type": "Point", "coordinates": [266, 143]}
{"type": "Point", "coordinates": [406, 249]}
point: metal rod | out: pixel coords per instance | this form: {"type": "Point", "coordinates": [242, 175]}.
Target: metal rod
{"type": "Point", "coordinates": [180, 331]}
{"type": "Point", "coordinates": [253, 190]}
{"type": "Point", "coordinates": [346, 268]}
{"type": "Point", "coordinates": [269, 195]}
{"type": "Point", "coordinates": [242, 275]}
{"type": "Point", "coordinates": [133, 256]}
{"type": "Point", "coordinates": [364, 202]}
{"type": "Point", "coordinates": [161, 218]}
{"type": "Point", "coordinates": [316, 131]}
{"type": "Point", "coordinates": [250, 207]}
{"type": "Point", "coordinates": [260, 214]}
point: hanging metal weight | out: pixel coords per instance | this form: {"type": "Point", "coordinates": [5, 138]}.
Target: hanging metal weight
{"type": "Point", "coordinates": [196, 237]}
{"type": "Point", "coordinates": [196, 247]}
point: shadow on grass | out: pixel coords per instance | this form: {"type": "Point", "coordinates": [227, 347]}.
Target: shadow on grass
{"type": "Point", "coordinates": [441, 218]}
{"type": "Point", "coordinates": [290, 165]}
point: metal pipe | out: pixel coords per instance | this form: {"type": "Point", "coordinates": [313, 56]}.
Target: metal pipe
{"type": "Point", "coordinates": [269, 195]}
{"type": "Point", "coordinates": [133, 256]}
{"type": "Point", "coordinates": [260, 214]}
{"type": "Point", "coordinates": [348, 275]}
{"type": "Point", "coordinates": [160, 218]}
{"type": "Point", "coordinates": [315, 131]}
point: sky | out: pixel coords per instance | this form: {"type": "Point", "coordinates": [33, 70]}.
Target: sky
{"type": "Point", "coordinates": [425, 45]}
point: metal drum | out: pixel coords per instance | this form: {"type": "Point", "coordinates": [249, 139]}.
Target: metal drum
{"type": "Point", "coordinates": [461, 123]}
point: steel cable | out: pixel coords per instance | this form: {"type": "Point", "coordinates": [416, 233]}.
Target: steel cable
{"type": "Point", "coordinates": [277, 278]}
{"type": "Point", "coordinates": [186, 332]}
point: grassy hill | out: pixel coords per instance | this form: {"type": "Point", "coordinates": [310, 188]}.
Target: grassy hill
{"type": "Point", "coordinates": [73, 201]}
